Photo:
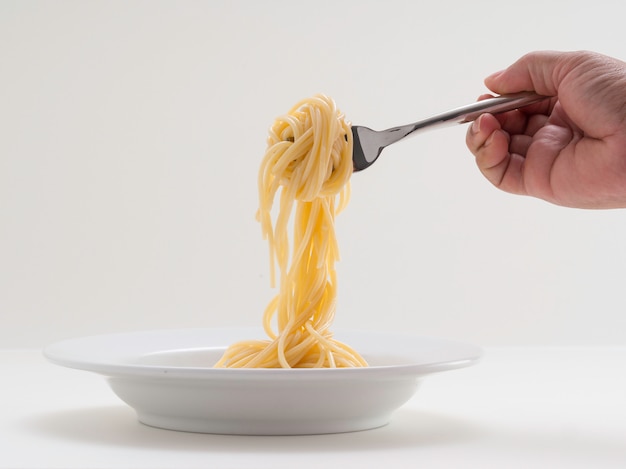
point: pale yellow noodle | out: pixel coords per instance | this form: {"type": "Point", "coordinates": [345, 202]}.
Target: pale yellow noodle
{"type": "Point", "coordinates": [307, 168]}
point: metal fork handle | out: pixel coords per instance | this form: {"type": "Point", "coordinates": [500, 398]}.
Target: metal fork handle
{"type": "Point", "coordinates": [467, 113]}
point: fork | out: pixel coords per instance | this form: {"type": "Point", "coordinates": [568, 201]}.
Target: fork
{"type": "Point", "coordinates": [368, 143]}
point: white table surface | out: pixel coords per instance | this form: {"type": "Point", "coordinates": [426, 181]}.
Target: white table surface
{"type": "Point", "coordinates": [519, 408]}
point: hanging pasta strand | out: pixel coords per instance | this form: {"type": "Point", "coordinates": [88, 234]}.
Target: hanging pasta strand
{"type": "Point", "coordinates": [306, 168]}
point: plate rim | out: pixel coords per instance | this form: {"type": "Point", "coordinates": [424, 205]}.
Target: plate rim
{"type": "Point", "coordinates": [55, 354]}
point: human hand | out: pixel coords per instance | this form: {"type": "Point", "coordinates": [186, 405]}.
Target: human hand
{"type": "Point", "coordinates": [569, 150]}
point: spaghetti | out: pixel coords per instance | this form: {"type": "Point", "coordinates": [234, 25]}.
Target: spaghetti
{"type": "Point", "coordinates": [308, 163]}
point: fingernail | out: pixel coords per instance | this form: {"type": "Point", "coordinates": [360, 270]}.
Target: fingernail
{"type": "Point", "coordinates": [476, 125]}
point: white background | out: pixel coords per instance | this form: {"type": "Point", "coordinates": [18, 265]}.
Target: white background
{"type": "Point", "coordinates": [131, 134]}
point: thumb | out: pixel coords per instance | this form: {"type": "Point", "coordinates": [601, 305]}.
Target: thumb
{"type": "Point", "coordinates": [536, 71]}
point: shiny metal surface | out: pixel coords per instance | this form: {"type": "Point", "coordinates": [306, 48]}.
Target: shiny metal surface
{"type": "Point", "coordinates": [368, 143]}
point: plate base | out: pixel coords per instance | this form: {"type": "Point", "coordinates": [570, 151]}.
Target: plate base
{"type": "Point", "coordinates": [264, 428]}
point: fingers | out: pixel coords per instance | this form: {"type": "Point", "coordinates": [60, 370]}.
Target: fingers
{"type": "Point", "coordinates": [519, 144]}
{"type": "Point", "coordinates": [480, 131]}
{"type": "Point", "coordinates": [534, 123]}
{"type": "Point", "coordinates": [520, 141]}
{"type": "Point", "coordinates": [495, 153]}
{"type": "Point", "coordinates": [500, 143]}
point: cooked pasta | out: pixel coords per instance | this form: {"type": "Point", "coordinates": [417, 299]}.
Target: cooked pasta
{"type": "Point", "coordinates": [307, 165]}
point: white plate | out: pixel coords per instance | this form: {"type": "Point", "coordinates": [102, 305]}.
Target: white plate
{"type": "Point", "coordinates": [167, 377]}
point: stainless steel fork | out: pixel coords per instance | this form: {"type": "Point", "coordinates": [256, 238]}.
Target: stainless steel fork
{"type": "Point", "coordinates": [368, 143]}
